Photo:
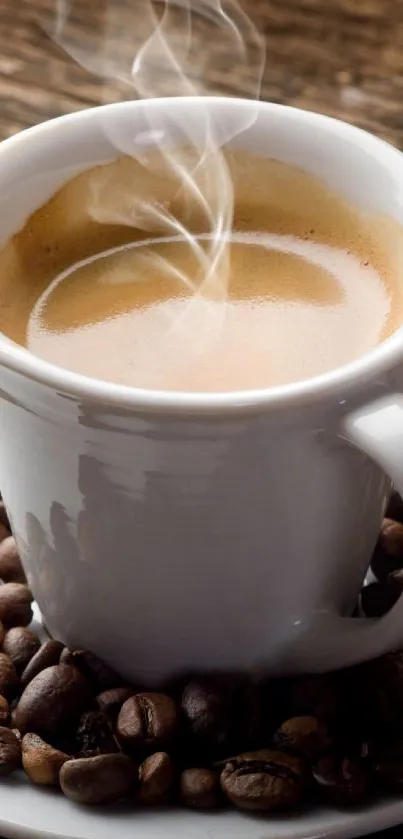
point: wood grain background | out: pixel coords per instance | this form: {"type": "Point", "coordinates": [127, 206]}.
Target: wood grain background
{"type": "Point", "coordinates": [340, 57]}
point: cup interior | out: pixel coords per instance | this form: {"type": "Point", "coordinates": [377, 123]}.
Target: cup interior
{"type": "Point", "coordinates": [35, 164]}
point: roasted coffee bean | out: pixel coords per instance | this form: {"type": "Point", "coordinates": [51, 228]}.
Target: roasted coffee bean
{"type": "Point", "coordinates": [317, 696]}
{"type": "Point", "coordinates": [47, 656]}
{"type": "Point", "coordinates": [206, 706]}
{"type": "Point", "coordinates": [53, 700]}
{"type": "Point", "coordinates": [341, 781]}
{"type": "Point", "coordinates": [396, 579]}
{"type": "Point", "coordinates": [94, 735]}
{"type": "Point", "coordinates": [4, 532]}
{"type": "Point", "coordinates": [10, 752]}
{"type": "Point", "coordinates": [111, 701]}
{"type": "Point", "coordinates": [4, 520]}
{"type": "Point", "coordinates": [388, 766]}
{"type": "Point", "coordinates": [8, 677]}
{"type": "Point", "coordinates": [98, 780]}
{"type": "Point", "coordinates": [156, 776]}
{"type": "Point", "coordinates": [200, 789]}
{"type": "Point", "coordinates": [303, 736]}
{"type": "Point", "coordinates": [41, 762]}
{"type": "Point", "coordinates": [15, 605]}
{"type": "Point", "coordinates": [378, 598]}
{"type": "Point", "coordinates": [148, 720]}
{"type": "Point", "coordinates": [264, 780]}
{"type": "Point", "coordinates": [101, 676]}
{"type": "Point", "coordinates": [394, 509]}
{"type": "Point", "coordinates": [5, 713]}
{"type": "Point", "coordinates": [388, 554]}
{"type": "Point", "coordinates": [20, 643]}
{"type": "Point", "coordinates": [11, 570]}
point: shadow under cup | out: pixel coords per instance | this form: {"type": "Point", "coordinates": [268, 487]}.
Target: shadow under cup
{"type": "Point", "coordinates": [174, 531]}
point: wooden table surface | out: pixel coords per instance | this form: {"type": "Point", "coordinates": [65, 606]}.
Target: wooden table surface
{"type": "Point", "coordinates": [339, 57]}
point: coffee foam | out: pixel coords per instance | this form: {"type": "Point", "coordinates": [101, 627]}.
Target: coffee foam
{"type": "Point", "coordinates": [295, 309]}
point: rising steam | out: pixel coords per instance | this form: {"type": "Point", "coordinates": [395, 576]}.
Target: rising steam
{"type": "Point", "coordinates": [172, 48]}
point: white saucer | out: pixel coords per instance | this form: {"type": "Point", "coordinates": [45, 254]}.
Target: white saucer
{"type": "Point", "coordinates": [29, 812]}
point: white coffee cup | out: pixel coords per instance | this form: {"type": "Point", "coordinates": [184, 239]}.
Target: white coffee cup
{"type": "Point", "coordinates": [168, 532]}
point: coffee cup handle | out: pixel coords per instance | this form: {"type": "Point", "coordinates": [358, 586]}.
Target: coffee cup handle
{"type": "Point", "coordinates": [332, 641]}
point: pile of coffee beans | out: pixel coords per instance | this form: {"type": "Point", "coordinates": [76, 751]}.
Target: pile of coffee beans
{"type": "Point", "coordinates": [387, 564]}
{"type": "Point", "coordinates": [203, 741]}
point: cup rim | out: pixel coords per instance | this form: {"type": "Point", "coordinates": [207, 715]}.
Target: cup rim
{"type": "Point", "coordinates": [333, 384]}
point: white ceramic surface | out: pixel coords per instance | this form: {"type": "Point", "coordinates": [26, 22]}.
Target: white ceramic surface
{"type": "Point", "coordinates": [27, 812]}
{"type": "Point", "coordinates": [168, 531]}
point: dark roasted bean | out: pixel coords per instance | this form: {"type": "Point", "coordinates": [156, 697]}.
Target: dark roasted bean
{"type": "Point", "coordinates": [10, 752]}
{"type": "Point", "coordinates": [41, 762]}
{"type": "Point", "coordinates": [264, 780]}
{"type": "Point", "coordinates": [11, 570]}
{"type": "Point", "coordinates": [395, 507]}
{"type": "Point", "coordinates": [93, 668]}
{"type": "Point", "coordinates": [111, 701]}
{"type": "Point", "coordinates": [303, 736]}
{"type": "Point", "coordinates": [4, 532]}
{"type": "Point", "coordinates": [21, 644]}
{"type": "Point", "coordinates": [94, 735]}
{"type": "Point", "coordinates": [148, 720]}
{"type": "Point", "coordinates": [388, 554]}
{"type": "Point", "coordinates": [378, 598]}
{"type": "Point", "coordinates": [4, 520]}
{"type": "Point", "coordinates": [53, 700]}
{"type": "Point", "coordinates": [98, 780]}
{"type": "Point", "coordinates": [200, 789]}
{"type": "Point", "coordinates": [5, 714]}
{"type": "Point", "coordinates": [156, 776]}
{"type": "Point", "coordinates": [8, 677]}
{"type": "Point", "coordinates": [341, 781]}
{"type": "Point", "coordinates": [206, 706]}
{"type": "Point", "coordinates": [47, 656]}
{"type": "Point", "coordinates": [15, 605]}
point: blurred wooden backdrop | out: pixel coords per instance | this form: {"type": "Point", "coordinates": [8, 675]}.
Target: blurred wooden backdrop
{"type": "Point", "coordinates": [340, 57]}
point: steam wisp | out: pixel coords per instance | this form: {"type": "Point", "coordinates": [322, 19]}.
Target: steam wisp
{"type": "Point", "coordinates": [171, 47]}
